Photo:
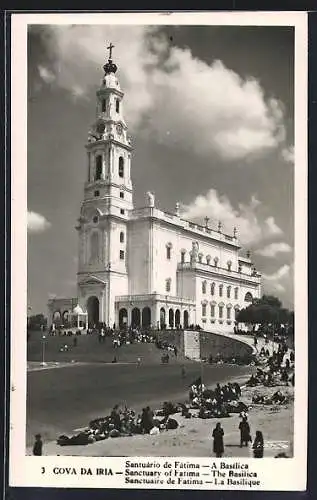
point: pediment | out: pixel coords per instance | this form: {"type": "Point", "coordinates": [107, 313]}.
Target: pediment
{"type": "Point", "coordinates": [92, 280]}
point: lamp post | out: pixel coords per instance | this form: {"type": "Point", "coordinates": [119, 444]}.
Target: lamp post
{"type": "Point", "coordinates": [43, 350]}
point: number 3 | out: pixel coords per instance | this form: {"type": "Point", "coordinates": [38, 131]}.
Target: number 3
{"type": "Point", "coordinates": [43, 470]}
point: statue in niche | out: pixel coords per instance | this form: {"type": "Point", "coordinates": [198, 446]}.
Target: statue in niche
{"type": "Point", "coordinates": [150, 199]}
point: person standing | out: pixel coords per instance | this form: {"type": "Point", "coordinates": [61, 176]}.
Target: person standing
{"type": "Point", "coordinates": [38, 445]}
{"type": "Point", "coordinates": [217, 434]}
{"type": "Point", "coordinates": [244, 432]}
{"type": "Point", "coordinates": [258, 445]}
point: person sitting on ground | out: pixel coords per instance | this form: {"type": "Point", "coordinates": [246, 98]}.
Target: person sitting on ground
{"type": "Point", "coordinates": [252, 381]}
{"type": "Point", "coordinates": [244, 427]}
{"type": "Point", "coordinates": [258, 445]}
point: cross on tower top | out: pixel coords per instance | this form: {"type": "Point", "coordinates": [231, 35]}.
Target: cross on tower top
{"type": "Point", "coordinates": [111, 46]}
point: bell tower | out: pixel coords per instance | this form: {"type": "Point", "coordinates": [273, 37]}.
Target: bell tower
{"type": "Point", "coordinates": [107, 202]}
{"type": "Point", "coordinates": [109, 148]}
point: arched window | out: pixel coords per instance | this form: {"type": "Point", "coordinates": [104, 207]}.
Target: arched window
{"type": "Point", "coordinates": [236, 293]}
{"type": "Point", "coordinates": [103, 105]}
{"type": "Point", "coordinates": [204, 286]}
{"type": "Point", "coordinates": [94, 247]}
{"type": "Point", "coordinates": [121, 166]}
{"type": "Point", "coordinates": [248, 297]}
{"type": "Point", "coordinates": [229, 312]}
{"type": "Point", "coordinates": [220, 290]}
{"type": "Point", "coordinates": [212, 289]}
{"type": "Point", "coordinates": [220, 311]}
{"type": "Point", "coordinates": [183, 252]}
{"type": "Point", "coordinates": [168, 285]}
{"type": "Point", "coordinates": [117, 105]}
{"type": "Point", "coordinates": [122, 237]}
{"type": "Point", "coordinates": [228, 292]}
{"type": "Point", "coordinates": [168, 251]}
{"type": "Point", "coordinates": [229, 264]}
{"type": "Point", "coordinates": [203, 309]}
{"type": "Point", "coordinates": [208, 258]}
{"type": "Point", "coordinates": [212, 309]}
{"type": "Point", "coordinates": [236, 312]}
{"type": "Point", "coordinates": [98, 167]}
{"type": "Point", "coordinates": [216, 260]}
{"type": "Point", "coordinates": [200, 257]}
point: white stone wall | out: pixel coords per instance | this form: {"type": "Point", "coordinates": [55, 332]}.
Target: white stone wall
{"type": "Point", "coordinates": [118, 286]}
{"type": "Point", "coordinates": [165, 269]}
{"type": "Point", "coordinates": [116, 152]}
{"type": "Point", "coordinates": [138, 257]}
{"type": "Point", "coordinates": [191, 341]}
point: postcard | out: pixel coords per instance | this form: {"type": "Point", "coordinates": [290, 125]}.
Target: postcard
{"type": "Point", "coordinates": [159, 251]}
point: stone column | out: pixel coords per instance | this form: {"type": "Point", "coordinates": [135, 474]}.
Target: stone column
{"type": "Point", "coordinates": [129, 315]}
{"type": "Point", "coordinates": [102, 306]}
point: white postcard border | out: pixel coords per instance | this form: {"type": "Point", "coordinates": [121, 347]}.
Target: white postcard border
{"type": "Point", "coordinates": [26, 470]}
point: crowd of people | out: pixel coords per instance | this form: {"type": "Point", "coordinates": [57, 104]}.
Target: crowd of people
{"type": "Point", "coordinates": [124, 422]}
{"type": "Point", "coordinates": [277, 368]}
{"type": "Point", "coordinates": [217, 403]}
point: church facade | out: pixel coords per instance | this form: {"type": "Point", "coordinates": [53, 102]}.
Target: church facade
{"type": "Point", "coordinates": [145, 267]}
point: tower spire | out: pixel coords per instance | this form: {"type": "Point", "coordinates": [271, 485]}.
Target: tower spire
{"type": "Point", "coordinates": [110, 67]}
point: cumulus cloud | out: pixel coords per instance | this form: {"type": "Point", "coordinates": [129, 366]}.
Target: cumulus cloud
{"type": "Point", "coordinates": [288, 154]}
{"type": "Point", "coordinates": [206, 108]}
{"type": "Point", "coordinates": [280, 273]}
{"type": "Point", "coordinates": [273, 249]}
{"type": "Point", "coordinates": [271, 228]}
{"type": "Point", "coordinates": [251, 227]}
{"type": "Point", "coordinates": [36, 223]}
{"type": "Point", "coordinates": [46, 75]}
{"type": "Point", "coordinates": [278, 281]}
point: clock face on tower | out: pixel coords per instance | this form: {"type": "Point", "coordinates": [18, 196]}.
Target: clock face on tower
{"type": "Point", "coordinates": [119, 129]}
{"type": "Point", "coordinates": [100, 127]}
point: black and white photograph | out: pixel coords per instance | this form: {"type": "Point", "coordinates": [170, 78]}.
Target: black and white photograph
{"type": "Point", "coordinates": [161, 198]}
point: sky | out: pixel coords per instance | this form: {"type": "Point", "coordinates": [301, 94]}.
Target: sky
{"type": "Point", "coordinates": [210, 112]}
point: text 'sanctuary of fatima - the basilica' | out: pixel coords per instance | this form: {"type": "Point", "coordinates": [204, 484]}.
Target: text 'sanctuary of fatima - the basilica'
{"type": "Point", "coordinates": [142, 266]}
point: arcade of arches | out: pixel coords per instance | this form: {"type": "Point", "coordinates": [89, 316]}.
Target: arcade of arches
{"type": "Point", "coordinates": [168, 317]}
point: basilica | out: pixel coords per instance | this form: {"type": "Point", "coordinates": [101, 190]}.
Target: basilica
{"type": "Point", "coordinates": [142, 266]}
